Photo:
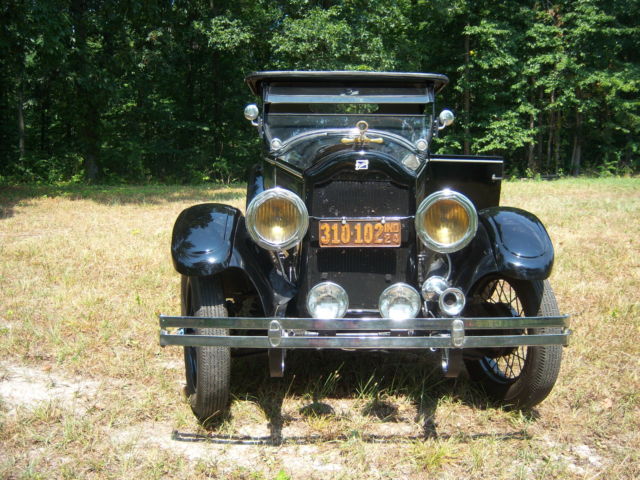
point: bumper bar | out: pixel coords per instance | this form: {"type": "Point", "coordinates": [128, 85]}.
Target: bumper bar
{"type": "Point", "coordinates": [367, 333]}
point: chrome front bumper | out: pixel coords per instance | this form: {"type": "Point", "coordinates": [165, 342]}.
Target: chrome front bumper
{"type": "Point", "coordinates": [367, 333]}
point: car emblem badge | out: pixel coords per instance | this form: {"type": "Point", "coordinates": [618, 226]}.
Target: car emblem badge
{"type": "Point", "coordinates": [362, 164]}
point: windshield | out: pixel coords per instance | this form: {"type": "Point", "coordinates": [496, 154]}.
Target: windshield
{"type": "Point", "coordinates": [307, 137]}
{"type": "Point", "coordinates": [287, 125]}
{"type": "Point", "coordinates": [293, 109]}
{"type": "Point", "coordinates": [312, 119]}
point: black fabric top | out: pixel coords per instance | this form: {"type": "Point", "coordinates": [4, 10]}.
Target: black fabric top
{"type": "Point", "coordinates": [256, 79]}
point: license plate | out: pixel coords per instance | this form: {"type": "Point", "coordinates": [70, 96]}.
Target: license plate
{"type": "Point", "coordinates": [359, 233]}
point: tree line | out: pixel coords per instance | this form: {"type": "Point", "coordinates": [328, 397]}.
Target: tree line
{"type": "Point", "coordinates": [130, 91]}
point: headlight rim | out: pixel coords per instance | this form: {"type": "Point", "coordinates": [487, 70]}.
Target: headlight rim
{"type": "Point", "coordinates": [469, 208]}
{"type": "Point", "coordinates": [262, 197]}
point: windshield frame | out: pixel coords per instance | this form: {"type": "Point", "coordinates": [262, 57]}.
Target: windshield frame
{"type": "Point", "coordinates": [337, 94]}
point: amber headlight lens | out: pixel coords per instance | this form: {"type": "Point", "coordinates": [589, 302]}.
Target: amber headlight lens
{"type": "Point", "coordinates": [277, 219]}
{"type": "Point", "coordinates": [446, 221]}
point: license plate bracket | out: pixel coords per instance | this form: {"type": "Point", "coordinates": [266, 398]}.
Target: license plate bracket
{"type": "Point", "coordinates": [359, 233]}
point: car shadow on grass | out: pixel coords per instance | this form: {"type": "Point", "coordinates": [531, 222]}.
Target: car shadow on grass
{"type": "Point", "coordinates": [371, 380]}
{"type": "Point", "coordinates": [225, 439]}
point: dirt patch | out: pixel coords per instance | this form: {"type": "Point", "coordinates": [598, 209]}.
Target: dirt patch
{"type": "Point", "coordinates": [364, 439]}
{"type": "Point", "coordinates": [229, 453]}
{"type": "Point", "coordinates": [27, 387]}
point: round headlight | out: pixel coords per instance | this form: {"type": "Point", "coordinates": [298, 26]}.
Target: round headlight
{"type": "Point", "coordinates": [446, 221]}
{"type": "Point", "coordinates": [327, 300]}
{"type": "Point", "coordinates": [277, 219]}
{"type": "Point", "coordinates": [399, 302]}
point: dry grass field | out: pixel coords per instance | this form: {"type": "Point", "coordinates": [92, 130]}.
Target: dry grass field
{"type": "Point", "coordinates": [86, 392]}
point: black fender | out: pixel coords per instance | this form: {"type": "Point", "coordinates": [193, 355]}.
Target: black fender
{"type": "Point", "coordinates": [211, 238]}
{"type": "Point", "coordinates": [509, 242]}
{"type": "Point", "coordinates": [473, 262]}
{"type": "Point", "coordinates": [520, 243]}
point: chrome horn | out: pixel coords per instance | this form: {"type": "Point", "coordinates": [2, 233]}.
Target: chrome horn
{"type": "Point", "coordinates": [433, 288]}
{"type": "Point", "coordinates": [451, 301]}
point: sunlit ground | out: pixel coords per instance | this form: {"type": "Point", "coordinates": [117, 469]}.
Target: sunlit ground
{"type": "Point", "coordinates": [84, 272]}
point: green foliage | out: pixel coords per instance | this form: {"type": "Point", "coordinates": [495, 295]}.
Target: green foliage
{"type": "Point", "coordinates": [345, 36]}
{"type": "Point", "coordinates": [282, 475]}
{"type": "Point", "coordinates": [156, 92]}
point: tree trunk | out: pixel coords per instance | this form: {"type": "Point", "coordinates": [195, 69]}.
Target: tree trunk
{"type": "Point", "coordinates": [531, 161]}
{"type": "Point", "coordinates": [21, 132]}
{"type": "Point", "coordinates": [467, 94]}
{"type": "Point", "coordinates": [550, 120]}
{"type": "Point", "coordinates": [89, 132]}
{"type": "Point", "coordinates": [87, 103]}
{"type": "Point", "coordinates": [547, 157]}
{"type": "Point", "coordinates": [576, 155]}
{"type": "Point", "coordinates": [556, 142]}
{"type": "Point", "coordinates": [44, 120]}
{"type": "Point", "coordinates": [540, 134]}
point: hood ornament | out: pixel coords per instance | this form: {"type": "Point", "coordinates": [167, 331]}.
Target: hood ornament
{"type": "Point", "coordinates": [361, 138]}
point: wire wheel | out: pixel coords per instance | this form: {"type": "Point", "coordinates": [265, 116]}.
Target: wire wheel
{"type": "Point", "coordinates": [518, 377]}
{"type": "Point", "coordinates": [508, 365]}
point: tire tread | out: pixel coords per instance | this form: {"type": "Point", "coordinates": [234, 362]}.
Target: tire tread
{"type": "Point", "coordinates": [210, 397]}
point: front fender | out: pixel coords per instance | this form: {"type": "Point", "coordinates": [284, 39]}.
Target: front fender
{"type": "Point", "coordinates": [202, 240]}
{"type": "Point", "coordinates": [210, 238]}
{"type": "Point", "coordinates": [520, 243]}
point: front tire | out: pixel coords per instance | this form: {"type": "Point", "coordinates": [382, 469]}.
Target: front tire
{"type": "Point", "coordinates": [207, 369]}
{"type": "Point", "coordinates": [519, 377]}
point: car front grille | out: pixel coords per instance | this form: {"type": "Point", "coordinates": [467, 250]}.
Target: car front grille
{"type": "Point", "coordinates": [363, 272]}
{"type": "Point", "coordinates": [357, 198]}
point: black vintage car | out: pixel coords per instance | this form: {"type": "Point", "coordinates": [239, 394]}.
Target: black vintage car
{"type": "Point", "coordinates": [357, 237]}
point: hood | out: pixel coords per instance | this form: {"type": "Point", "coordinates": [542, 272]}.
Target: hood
{"type": "Point", "coordinates": [326, 150]}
